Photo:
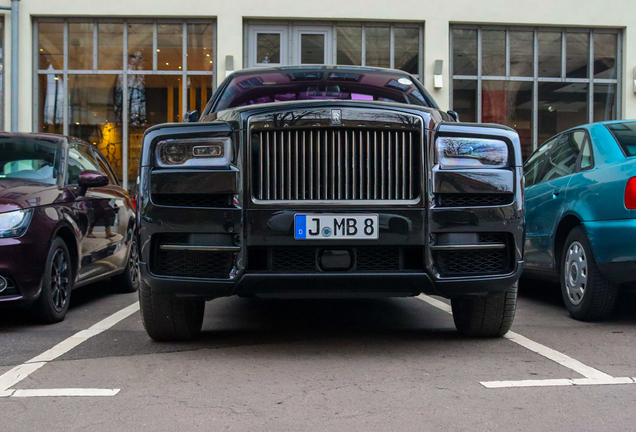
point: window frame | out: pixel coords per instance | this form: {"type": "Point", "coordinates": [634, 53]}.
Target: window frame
{"type": "Point", "coordinates": [550, 143]}
{"type": "Point", "coordinates": [101, 160]}
{"type": "Point", "coordinates": [64, 73]}
{"type": "Point", "coordinates": [78, 145]}
{"type": "Point", "coordinates": [535, 79]}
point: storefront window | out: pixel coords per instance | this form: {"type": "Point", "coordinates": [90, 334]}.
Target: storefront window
{"type": "Point", "coordinates": [538, 93]}
{"type": "Point", "coordinates": [407, 49]}
{"type": "Point", "coordinates": [378, 46]}
{"type": "Point", "coordinates": [80, 46]}
{"type": "Point", "coordinates": [349, 45]}
{"type": "Point", "coordinates": [109, 97]}
{"type": "Point", "coordinates": [95, 114]}
{"type": "Point", "coordinates": [51, 103]}
{"type": "Point", "coordinates": [509, 103]}
{"type": "Point", "coordinates": [110, 46]}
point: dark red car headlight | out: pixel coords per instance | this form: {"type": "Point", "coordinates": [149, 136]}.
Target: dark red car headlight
{"type": "Point", "coordinates": [14, 223]}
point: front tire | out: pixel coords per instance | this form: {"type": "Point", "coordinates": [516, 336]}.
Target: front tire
{"type": "Point", "coordinates": [588, 295]}
{"type": "Point", "coordinates": [169, 318]}
{"type": "Point", "coordinates": [488, 316]}
{"type": "Point", "coordinates": [57, 284]}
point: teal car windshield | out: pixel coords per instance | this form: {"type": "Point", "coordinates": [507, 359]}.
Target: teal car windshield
{"type": "Point", "coordinates": [625, 134]}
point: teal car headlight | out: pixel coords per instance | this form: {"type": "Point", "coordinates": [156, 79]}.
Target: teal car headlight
{"type": "Point", "coordinates": [460, 152]}
{"type": "Point", "coordinates": [14, 223]}
{"type": "Point", "coordinates": [194, 152]}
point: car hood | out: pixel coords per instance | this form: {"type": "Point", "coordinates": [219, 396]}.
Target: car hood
{"type": "Point", "coordinates": [21, 194]}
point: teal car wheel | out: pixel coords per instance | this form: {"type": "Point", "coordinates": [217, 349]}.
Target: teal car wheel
{"type": "Point", "coordinates": [588, 295]}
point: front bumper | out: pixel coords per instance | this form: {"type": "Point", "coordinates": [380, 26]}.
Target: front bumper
{"type": "Point", "coordinates": [22, 263]}
{"type": "Point", "coordinates": [615, 254]}
{"type": "Point", "coordinates": [258, 229]}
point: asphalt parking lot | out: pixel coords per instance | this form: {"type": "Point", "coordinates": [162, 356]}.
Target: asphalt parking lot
{"type": "Point", "coordinates": [363, 365]}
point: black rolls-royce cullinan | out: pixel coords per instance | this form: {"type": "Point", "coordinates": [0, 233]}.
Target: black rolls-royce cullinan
{"type": "Point", "coordinates": [328, 181]}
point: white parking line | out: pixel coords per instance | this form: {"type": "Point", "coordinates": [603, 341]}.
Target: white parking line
{"type": "Point", "coordinates": [19, 373]}
{"type": "Point", "coordinates": [592, 376]}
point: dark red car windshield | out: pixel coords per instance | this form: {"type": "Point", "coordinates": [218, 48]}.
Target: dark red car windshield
{"type": "Point", "coordinates": [296, 85]}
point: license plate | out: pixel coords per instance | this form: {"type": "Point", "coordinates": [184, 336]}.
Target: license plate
{"type": "Point", "coordinates": [336, 227]}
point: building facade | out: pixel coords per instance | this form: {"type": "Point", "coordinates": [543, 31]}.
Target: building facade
{"type": "Point", "coordinates": [106, 71]}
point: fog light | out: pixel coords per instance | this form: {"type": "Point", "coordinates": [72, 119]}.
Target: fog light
{"type": "Point", "coordinates": [3, 284]}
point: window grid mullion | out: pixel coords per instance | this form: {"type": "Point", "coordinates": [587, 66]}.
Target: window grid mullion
{"type": "Point", "coordinates": [479, 82]}
{"type": "Point", "coordinates": [590, 89]}
{"type": "Point", "coordinates": [124, 120]}
{"type": "Point", "coordinates": [184, 68]}
{"type": "Point", "coordinates": [95, 39]}
{"type": "Point", "coordinates": [364, 45]}
{"type": "Point", "coordinates": [535, 88]}
{"type": "Point", "coordinates": [65, 86]}
{"type": "Point", "coordinates": [563, 55]}
{"type": "Point", "coordinates": [154, 46]}
{"type": "Point", "coordinates": [392, 48]}
{"type": "Point", "coordinates": [508, 52]}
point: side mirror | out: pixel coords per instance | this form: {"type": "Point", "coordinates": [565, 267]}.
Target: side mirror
{"type": "Point", "coordinates": [454, 115]}
{"type": "Point", "coordinates": [90, 178]}
{"type": "Point", "coordinates": [191, 117]}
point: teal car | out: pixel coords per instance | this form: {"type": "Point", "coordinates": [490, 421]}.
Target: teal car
{"type": "Point", "coordinates": [580, 195]}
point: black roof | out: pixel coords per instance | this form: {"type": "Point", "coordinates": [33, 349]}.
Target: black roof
{"type": "Point", "coordinates": [318, 68]}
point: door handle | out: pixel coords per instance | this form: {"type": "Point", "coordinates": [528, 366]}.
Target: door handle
{"type": "Point", "coordinates": [555, 193]}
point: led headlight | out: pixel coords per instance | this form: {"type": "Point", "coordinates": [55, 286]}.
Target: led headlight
{"type": "Point", "coordinates": [194, 152]}
{"type": "Point", "coordinates": [460, 152]}
{"type": "Point", "coordinates": [14, 223]}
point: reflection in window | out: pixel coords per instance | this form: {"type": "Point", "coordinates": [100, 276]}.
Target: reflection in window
{"type": "Point", "coordinates": [97, 101]}
{"type": "Point", "coordinates": [349, 41]}
{"type": "Point", "coordinates": [51, 46]}
{"type": "Point", "coordinates": [95, 114]}
{"type": "Point", "coordinates": [153, 99]}
{"type": "Point", "coordinates": [605, 52]}
{"type": "Point", "coordinates": [561, 107]}
{"type": "Point", "coordinates": [110, 42]}
{"type": "Point", "coordinates": [540, 106]}
{"type": "Point", "coordinates": [312, 48]}
{"type": "Point", "coordinates": [465, 100]}
{"type": "Point", "coordinates": [51, 103]}
{"type": "Point", "coordinates": [199, 92]}
{"type": "Point", "coordinates": [521, 53]}
{"type": "Point", "coordinates": [140, 46]}
{"type": "Point", "coordinates": [604, 102]}
{"type": "Point", "coordinates": [510, 103]}
{"type": "Point", "coordinates": [268, 48]}
{"type": "Point", "coordinates": [577, 48]}
{"type": "Point", "coordinates": [564, 155]}
{"type": "Point", "coordinates": [170, 47]}
{"type": "Point", "coordinates": [549, 54]}
{"type": "Point", "coordinates": [493, 53]}
{"type": "Point", "coordinates": [407, 49]}
{"type": "Point", "coordinates": [378, 46]}
{"type": "Point", "coordinates": [80, 46]}
{"type": "Point", "coordinates": [533, 166]}
{"type": "Point", "coordinates": [200, 47]}
{"type": "Point", "coordinates": [464, 52]}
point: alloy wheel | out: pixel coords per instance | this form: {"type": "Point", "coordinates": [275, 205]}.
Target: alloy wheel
{"type": "Point", "coordinates": [133, 264]}
{"type": "Point", "coordinates": [575, 272]}
{"type": "Point", "coordinates": [60, 280]}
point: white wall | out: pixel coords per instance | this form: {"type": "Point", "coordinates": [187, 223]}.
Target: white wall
{"type": "Point", "coordinates": [436, 15]}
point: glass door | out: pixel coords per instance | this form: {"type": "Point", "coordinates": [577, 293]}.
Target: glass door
{"type": "Point", "coordinates": [312, 45]}
{"type": "Point", "coordinates": [268, 46]}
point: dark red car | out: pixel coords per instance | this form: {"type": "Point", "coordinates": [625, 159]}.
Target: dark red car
{"type": "Point", "coordinates": [64, 222]}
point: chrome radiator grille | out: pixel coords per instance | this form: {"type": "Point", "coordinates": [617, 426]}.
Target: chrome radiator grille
{"type": "Point", "coordinates": [338, 164]}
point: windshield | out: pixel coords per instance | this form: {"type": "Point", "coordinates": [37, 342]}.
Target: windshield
{"type": "Point", "coordinates": [30, 158]}
{"type": "Point", "coordinates": [625, 134]}
{"type": "Point", "coordinates": [261, 87]}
